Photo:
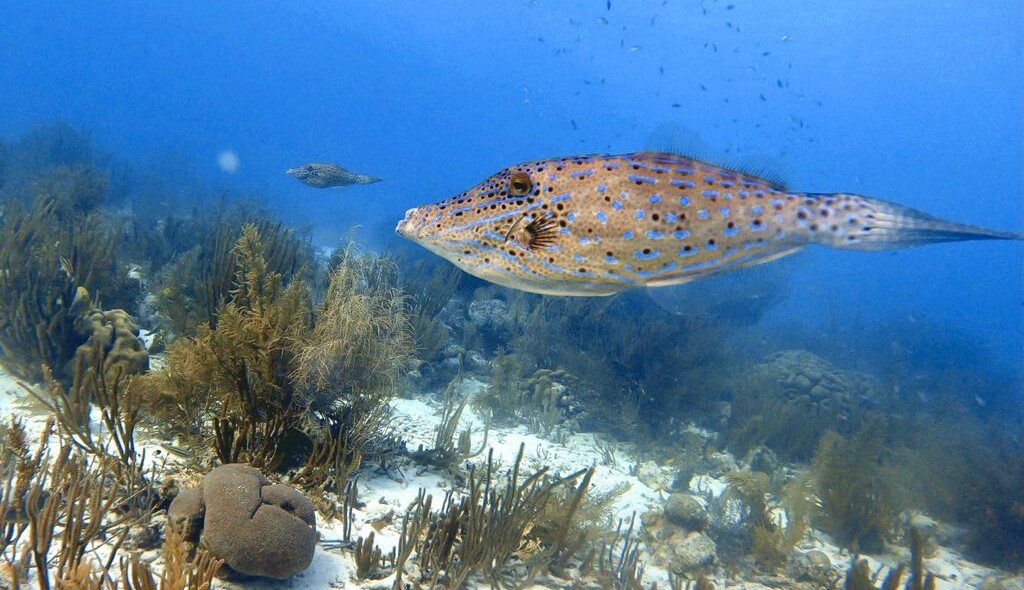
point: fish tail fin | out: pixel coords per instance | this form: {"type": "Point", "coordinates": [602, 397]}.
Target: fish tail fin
{"type": "Point", "coordinates": [863, 223]}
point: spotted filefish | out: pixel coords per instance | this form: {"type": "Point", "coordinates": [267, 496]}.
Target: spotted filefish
{"type": "Point", "coordinates": [318, 175]}
{"type": "Point", "coordinates": [601, 224]}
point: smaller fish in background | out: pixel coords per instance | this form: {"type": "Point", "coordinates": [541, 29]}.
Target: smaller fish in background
{"type": "Point", "coordinates": [319, 175]}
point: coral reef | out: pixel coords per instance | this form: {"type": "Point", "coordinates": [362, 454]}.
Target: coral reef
{"type": "Point", "coordinates": [255, 527]}
{"type": "Point", "coordinates": [857, 505]}
{"type": "Point", "coordinates": [959, 468]}
{"type": "Point", "coordinates": [361, 337]}
{"type": "Point", "coordinates": [791, 398]}
{"type": "Point", "coordinates": [44, 260]}
{"type": "Point", "coordinates": [860, 577]}
{"type": "Point", "coordinates": [430, 284]}
{"type": "Point", "coordinates": [490, 529]}
{"type": "Point", "coordinates": [61, 507]}
{"type": "Point", "coordinates": [191, 288]}
{"type": "Point", "coordinates": [628, 385]}
{"type": "Point", "coordinates": [543, 398]}
{"type": "Point", "coordinates": [111, 334]}
{"type": "Point", "coordinates": [246, 386]}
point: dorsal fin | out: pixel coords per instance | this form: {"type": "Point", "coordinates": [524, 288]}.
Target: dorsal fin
{"type": "Point", "coordinates": [673, 139]}
{"type": "Point", "coordinates": [751, 171]}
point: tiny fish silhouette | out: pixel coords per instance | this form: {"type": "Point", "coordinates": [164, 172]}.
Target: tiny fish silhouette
{"type": "Point", "coordinates": [319, 175]}
{"type": "Point", "coordinates": [601, 224]}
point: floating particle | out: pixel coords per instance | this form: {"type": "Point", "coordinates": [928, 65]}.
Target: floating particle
{"type": "Point", "coordinates": [228, 161]}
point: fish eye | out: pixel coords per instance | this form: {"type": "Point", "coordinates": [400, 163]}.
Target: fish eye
{"type": "Point", "coordinates": [519, 184]}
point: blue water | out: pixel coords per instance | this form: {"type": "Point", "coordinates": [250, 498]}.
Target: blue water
{"type": "Point", "coordinates": [916, 102]}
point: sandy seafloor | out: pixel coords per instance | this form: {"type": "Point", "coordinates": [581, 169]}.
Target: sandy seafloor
{"type": "Point", "coordinates": [417, 417]}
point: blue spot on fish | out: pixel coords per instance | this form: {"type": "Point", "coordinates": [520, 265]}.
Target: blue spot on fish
{"type": "Point", "coordinates": [653, 199]}
{"type": "Point", "coordinates": [617, 205]}
{"type": "Point", "coordinates": [709, 179]}
{"type": "Point", "coordinates": [641, 179]}
{"type": "Point", "coordinates": [560, 198]}
{"type": "Point", "coordinates": [670, 217]}
{"type": "Point", "coordinates": [602, 187]}
{"type": "Point", "coordinates": [654, 235]}
{"type": "Point", "coordinates": [578, 258]}
{"type": "Point", "coordinates": [647, 254]}
{"type": "Point", "coordinates": [584, 241]}
{"type": "Point", "coordinates": [684, 201]}
{"type": "Point", "coordinates": [757, 209]}
{"type": "Point", "coordinates": [679, 235]}
{"type": "Point", "coordinates": [682, 183]}
{"type": "Point", "coordinates": [684, 252]}
{"type": "Point", "coordinates": [724, 211]}
{"type": "Point", "coordinates": [710, 194]}
{"type": "Point", "coordinates": [639, 214]}
{"type": "Point", "coordinates": [611, 260]}
{"type": "Point", "coordinates": [601, 216]}
{"type": "Point", "coordinates": [627, 235]}
{"type": "Point", "coordinates": [570, 217]}
{"type": "Point", "coordinates": [703, 214]}
{"type": "Point", "coordinates": [730, 231]}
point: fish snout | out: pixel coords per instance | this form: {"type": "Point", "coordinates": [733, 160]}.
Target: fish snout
{"type": "Point", "coordinates": [406, 227]}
